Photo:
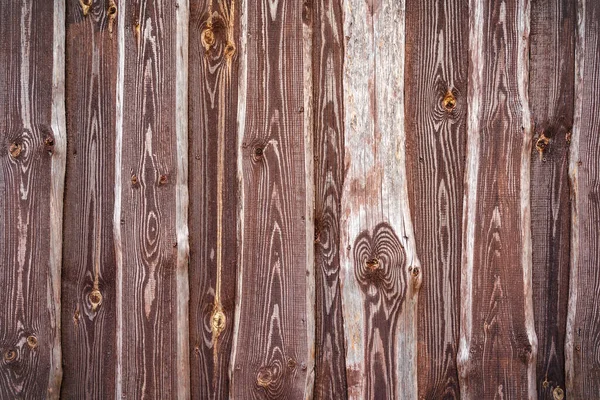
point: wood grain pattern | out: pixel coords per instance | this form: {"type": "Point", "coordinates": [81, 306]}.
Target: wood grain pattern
{"type": "Point", "coordinates": [583, 325]}
{"type": "Point", "coordinates": [327, 60]}
{"type": "Point", "coordinates": [435, 111]}
{"type": "Point", "coordinates": [380, 271]}
{"type": "Point", "coordinates": [150, 204]}
{"type": "Point", "coordinates": [270, 356]}
{"type": "Point", "coordinates": [214, 33]}
{"type": "Point", "coordinates": [89, 268]}
{"type": "Point", "coordinates": [551, 96]}
{"type": "Point", "coordinates": [31, 174]}
{"type": "Point", "coordinates": [498, 343]}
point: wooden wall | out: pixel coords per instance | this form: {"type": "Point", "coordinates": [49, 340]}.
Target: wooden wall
{"type": "Point", "coordinates": [284, 199]}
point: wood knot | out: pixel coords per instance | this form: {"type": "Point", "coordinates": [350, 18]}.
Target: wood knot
{"type": "Point", "coordinates": [49, 143]}
{"type": "Point", "coordinates": [264, 377]}
{"type": "Point", "coordinates": [208, 38]}
{"type": "Point", "coordinates": [372, 264]}
{"type": "Point", "coordinates": [542, 143]}
{"type": "Point", "coordinates": [558, 393]}
{"type": "Point", "coordinates": [32, 341]}
{"type": "Point", "coordinates": [291, 362]}
{"type": "Point", "coordinates": [217, 322]}
{"type": "Point", "coordinates": [112, 15]}
{"type": "Point", "coordinates": [10, 355]}
{"type": "Point", "coordinates": [15, 149]}
{"type": "Point", "coordinates": [134, 180]}
{"type": "Point", "coordinates": [85, 7]}
{"type": "Point", "coordinates": [162, 180]}
{"type": "Point", "coordinates": [568, 137]}
{"type": "Point", "coordinates": [258, 154]}
{"type": "Point", "coordinates": [449, 101]}
{"type": "Point", "coordinates": [95, 299]}
{"type": "Point", "coordinates": [229, 50]}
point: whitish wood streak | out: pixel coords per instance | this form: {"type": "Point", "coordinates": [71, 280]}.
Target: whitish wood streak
{"type": "Point", "coordinates": [271, 357]}
{"type": "Point", "coordinates": [583, 323]}
{"type": "Point", "coordinates": [327, 61]}
{"type": "Point", "coordinates": [435, 111]}
{"type": "Point", "coordinates": [214, 33]}
{"type": "Point", "coordinates": [380, 272]}
{"type": "Point", "coordinates": [150, 207]}
{"type": "Point", "coordinates": [31, 180]}
{"type": "Point", "coordinates": [552, 43]}
{"type": "Point", "coordinates": [88, 271]}
{"type": "Point", "coordinates": [498, 343]}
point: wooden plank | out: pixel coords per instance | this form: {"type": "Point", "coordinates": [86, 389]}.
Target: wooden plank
{"type": "Point", "coordinates": [214, 37]}
{"type": "Point", "coordinates": [327, 61]}
{"type": "Point", "coordinates": [32, 136]}
{"type": "Point", "coordinates": [551, 96]}
{"type": "Point", "coordinates": [380, 271]}
{"type": "Point", "coordinates": [271, 352]}
{"type": "Point", "coordinates": [498, 344]}
{"type": "Point", "coordinates": [583, 327]}
{"type": "Point", "coordinates": [151, 201]}
{"type": "Point", "coordinates": [88, 273]}
{"type": "Point", "coordinates": [436, 84]}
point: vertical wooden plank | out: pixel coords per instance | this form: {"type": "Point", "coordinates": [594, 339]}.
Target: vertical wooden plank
{"type": "Point", "coordinates": [32, 136]}
{"type": "Point", "coordinates": [380, 271]}
{"type": "Point", "coordinates": [88, 273]}
{"type": "Point", "coordinates": [327, 61]}
{"type": "Point", "coordinates": [435, 110]}
{"type": "Point", "coordinates": [151, 201]}
{"type": "Point", "coordinates": [498, 343]}
{"type": "Point", "coordinates": [271, 357]}
{"type": "Point", "coordinates": [583, 325]}
{"type": "Point", "coordinates": [551, 95]}
{"type": "Point", "coordinates": [214, 33]}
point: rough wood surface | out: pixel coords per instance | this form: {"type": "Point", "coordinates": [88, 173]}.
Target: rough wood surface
{"type": "Point", "coordinates": [551, 97]}
{"type": "Point", "coordinates": [380, 272]}
{"type": "Point", "coordinates": [327, 61]}
{"type": "Point", "coordinates": [151, 210]}
{"type": "Point", "coordinates": [31, 173]}
{"type": "Point", "coordinates": [498, 343]}
{"type": "Point", "coordinates": [88, 271]}
{"type": "Point", "coordinates": [214, 38]}
{"type": "Point", "coordinates": [583, 323]}
{"type": "Point", "coordinates": [271, 357]}
{"type": "Point", "coordinates": [435, 82]}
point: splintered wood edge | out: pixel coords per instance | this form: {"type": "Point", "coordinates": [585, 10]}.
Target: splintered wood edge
{"type": "Point", "coordinates": [182, 198]}
{"type": "Point", "coordinates": [59, 128]}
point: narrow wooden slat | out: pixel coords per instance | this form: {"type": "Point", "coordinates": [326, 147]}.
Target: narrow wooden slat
{"type": "Point", "coordinates": [380, 271]}
{"type": "Point", "coordinates": [271, 351]}
{"type": "Point", "coordinates": [88, 273]}
{"type": "Point", "coordinates": [327, 61]}
{"type": "Point", "coordinates": [435, 110]}
{"type": "Point", "coordinates": [498, 343]}
{"type": "Point", "coordinates": [583, 322]}
{"type": "Point", "coordinates": [32, 136]}
{"type": "Point", "coordinates": [214, 38]}
{"type": "Point", "coordinates": [551, 96]}
{"type": "Point", "coordinates": [151, 201]}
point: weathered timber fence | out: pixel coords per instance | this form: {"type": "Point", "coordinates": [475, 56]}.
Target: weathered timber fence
{"type": "Point", "coordinates": [329, 199]}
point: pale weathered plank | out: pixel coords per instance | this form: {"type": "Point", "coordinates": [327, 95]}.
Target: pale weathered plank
{"type": "Point", "coordinates": [327, 63]}
{"type": "Point", "coordinates": [435, 110]}
{"type": "Point", "coordinates": [32, 136]}
{"type": "Point", "coordinates": [498, 343]}
{"type": "Point", "coordinates": [88, 271]}
{"type": "Point", "coordinates": [151, 201]}
{"type": "Point", "coordinates": [271, 354]}
{"type": "Point", "coordinates": [583, 322]}
{"type": "Point", "coordinates": [551, 96]}
{"type": "Point", "coordinates": [380, 272]}
{"type": "Point", "coordinates": [214, 33]}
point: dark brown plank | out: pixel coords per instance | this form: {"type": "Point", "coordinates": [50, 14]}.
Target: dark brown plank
{"type": "Point", "coordinates": [271, 347]}
{"type": "Point", "coordinates": [31, 148]}
{"type": "Point", "coordinates": [152, 329]}
{"type": "Point", "coordinates": [551, 72]}
{"type": "Point", "coordinates": [436, 89]}
{"type": "Point", "coordinates": [213, 66]}
{"type": "Point", "coordinates": [583, 323]}
{"type": "Point", "coordinates": [89, 265]}
{"type": "Point", "coordinates": [498, 344]}
{"type": "Point", "coordinates": [328, 97]}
